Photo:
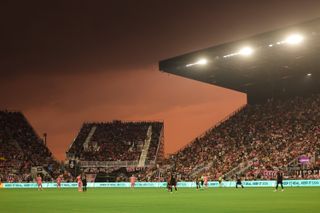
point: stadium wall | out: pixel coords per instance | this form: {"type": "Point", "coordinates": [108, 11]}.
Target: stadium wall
{"type": "Point", "coordinates": [212, 184]}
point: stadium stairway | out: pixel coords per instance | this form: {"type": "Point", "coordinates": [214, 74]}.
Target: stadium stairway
{"type": "Point", "coordinates": [35, 170]}
{"type": "Point", "coordinates": [201, 169]}
{"type": "Point", "coordinates": [88, 139]}
{"type": "Point", "coordinates": [243, 167]}
{"type": "Point", "coordinates": [145, 148]}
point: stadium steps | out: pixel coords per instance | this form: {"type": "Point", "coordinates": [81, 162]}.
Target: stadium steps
{"type": "Point", "coordinates": [160, 148]}
{"type": "Point", "coordinates": [201, 169]}
{"type": "Point", "coordinates": [35, 170]}
{"type": "Point", "coordinates": [240, 169]}
{"type": "Point", "coordinates": [88, 139]}
{"type": "Point", "coordinates": [245, 166]}
{"type": "Point", "coordinates": [145, 148]}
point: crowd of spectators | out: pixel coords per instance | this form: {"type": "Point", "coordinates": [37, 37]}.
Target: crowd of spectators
{"type": "Point", "coordinates": [115, 141]}
{"type": "Point", "coordinates": [271, 135]}
{"type": "Point", "coordinates": [157, 127]}
{"type": "Point", "coordinates": [21, 148]}
{"type": "Point", "coordinates": [267, 137]}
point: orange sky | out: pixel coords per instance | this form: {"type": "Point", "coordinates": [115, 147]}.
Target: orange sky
{"type": "Point", "coordinates": [74, 61]}
{"type": "Point", "coordinates": [187, 107]}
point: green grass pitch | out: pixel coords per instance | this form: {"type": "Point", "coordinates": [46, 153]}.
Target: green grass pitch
{"type": "Point", "coordinates": [116, 200]}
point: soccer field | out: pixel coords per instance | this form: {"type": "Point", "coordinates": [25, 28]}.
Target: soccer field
{"type": "Point", "coordinates": [116, 200]}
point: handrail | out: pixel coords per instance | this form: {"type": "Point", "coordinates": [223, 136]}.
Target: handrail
{"type": "Point", "coordinates": [200, 169]}
{"type": "Point", "coordinates": [240, 168]}
{"type": "Point", "coordinates": [159, 142]}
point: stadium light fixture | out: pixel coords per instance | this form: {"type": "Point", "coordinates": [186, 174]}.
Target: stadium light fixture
{"type": "Point", "coordinates": [246, 51]}
{"type": "Point", "coordinates": [294, 39]}
{"type": "Point", "coordinates": [201, 61]}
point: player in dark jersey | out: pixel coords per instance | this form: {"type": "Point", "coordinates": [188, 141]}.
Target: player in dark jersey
{"type": "Point", "coordinates": [202, 181]}
{"type": "Point", "coordinates": [168, 183]}
{"type": "Point", "coordinates": [220, 181]}
{"type": "Point", "coordinates": [239, 182]}
{"type": "Point", "coordinates": [84, 183]}
{"type": "Point", "coordinates": [279, 180]}
{"type": "Point", "coordinates": [173, 183]}
{"type": "Point", "coordinates": [198, 180]}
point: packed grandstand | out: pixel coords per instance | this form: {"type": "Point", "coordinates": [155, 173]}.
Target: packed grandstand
{"type": "Point", "coordinates": [21, 149]}
{"type": "Point", "coordinates": [278, 130]}
{"type": "Point", "coordinates": [254, 142]}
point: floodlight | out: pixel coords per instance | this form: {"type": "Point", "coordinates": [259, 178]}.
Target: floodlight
{"type": "Point", "coordinates": [202, 61]}
{"type": "Point", "coordinates": [309, 74]}
{"type": "Point", "coordinates": [294, 39]}
{"type": "Point", "coordinates": [246, 51]}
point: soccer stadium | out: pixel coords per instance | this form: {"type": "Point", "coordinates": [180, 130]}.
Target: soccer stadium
{"type": "Point", "coordinates": [264, 157]}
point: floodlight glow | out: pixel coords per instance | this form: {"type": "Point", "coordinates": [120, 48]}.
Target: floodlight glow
{"type": "Point", "coordinates": [230, 55]}
{"type": "Point", "coordinates": [202, 61]}
{"type": "Point", "coordinates": [294, 39]}
{"type": "Point", "coordinates": [309, 74]}
{"type": "Point", "coordinates": [246, 51]}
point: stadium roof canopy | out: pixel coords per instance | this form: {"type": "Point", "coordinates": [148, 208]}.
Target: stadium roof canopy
{"type": "Point", "coordinates": [283, 60]}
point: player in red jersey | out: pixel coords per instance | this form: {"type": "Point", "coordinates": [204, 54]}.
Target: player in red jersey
{"type": "Point", "coordinates": [59, 180]}
{"type": "Point", "coordinates": [79, 183]}
{"type": "Point", "coordinates": [39, 182]}
{"type": "Point", "coordinates": [132, 181]}
{"type": "Point", "coordinates": [205, 179]}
